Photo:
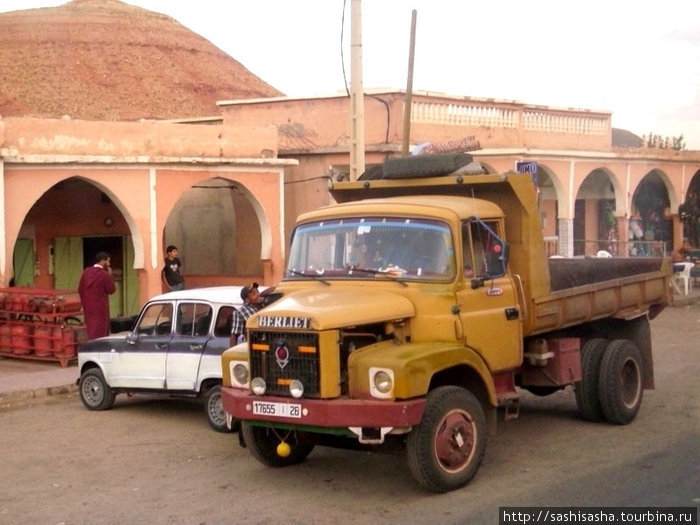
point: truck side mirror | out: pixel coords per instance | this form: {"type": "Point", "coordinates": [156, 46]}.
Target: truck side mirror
{"type": "Point", "coordinates": [498, 259]}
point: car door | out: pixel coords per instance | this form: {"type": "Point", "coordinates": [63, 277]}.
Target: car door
{"type": "Point", "coordinates": [140, 362]}
{"type": "Point", "coordinates": [192, 332]}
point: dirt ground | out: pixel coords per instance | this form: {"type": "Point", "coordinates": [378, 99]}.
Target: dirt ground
{"type": "Point", "coordinates": [156, 461]}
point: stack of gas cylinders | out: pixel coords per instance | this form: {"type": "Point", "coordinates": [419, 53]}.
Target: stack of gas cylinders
{"type": "Point", "coordinates": [35, 324]}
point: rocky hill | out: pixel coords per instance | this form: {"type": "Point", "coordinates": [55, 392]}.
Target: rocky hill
{"type": "Point", "coordinates": [107, 60]}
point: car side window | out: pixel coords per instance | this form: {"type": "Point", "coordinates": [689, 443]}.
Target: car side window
{"type": "Point", "coordinates": [156, 320]}
{"type": "Point", "coordinates": [224, 320]}
{"type": "Point", "coordinates": [193, 319]}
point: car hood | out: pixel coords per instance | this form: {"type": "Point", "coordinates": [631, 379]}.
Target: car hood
{"type": "Point", "coordinates": [326, 309]}
{"type": "Point", "coordinates": [102, 343]}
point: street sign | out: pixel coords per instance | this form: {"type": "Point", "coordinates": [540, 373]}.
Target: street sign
{"type": "Point", "coordinates": [526, 167]}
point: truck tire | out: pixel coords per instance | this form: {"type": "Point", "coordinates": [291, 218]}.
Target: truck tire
{"type": "Point", "coordinates": [214, 409]}
{"type": "Point", "coordinates": [621, 382]}
{"type": "Point", "coordinates": [95, 393]}
{"type": "Point", "coordinates": [445, 450]}
{"type": "Point", "coordinates": [262, 443]}
{"type": "Point", "coordinates": [586, 390]}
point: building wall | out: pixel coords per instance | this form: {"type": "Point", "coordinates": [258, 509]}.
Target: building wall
{"type": "Point", "coordinates": [569, 145]}
{"type": "Point", "coordinates": [137, 174]}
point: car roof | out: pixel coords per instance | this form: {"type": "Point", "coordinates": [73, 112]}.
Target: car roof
{"type": "Point", "coordinates": [215, 294]}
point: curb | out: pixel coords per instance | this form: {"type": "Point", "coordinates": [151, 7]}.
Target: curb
{"type": "Point", "coordinates": [8, 399]}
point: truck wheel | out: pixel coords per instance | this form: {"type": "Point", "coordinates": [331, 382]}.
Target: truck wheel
{"type": "Point", "coordinates": [95, 393]}
{"type": "Point", "coordinates": [263, 441]}
{"type": "Point", "coordinates": [445, 450]}
{"type": "Point", "coordinates": [621, 382]}
{"type": "Point", "coordinates": [216, 417]}
{"type": "Point", "coordinates": [586, 390]}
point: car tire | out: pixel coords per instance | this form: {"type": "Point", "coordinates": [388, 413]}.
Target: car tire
{"type": "Point", "coordinates": [214, 409]}
{"type": "Point", "coordinates": [95, 393]}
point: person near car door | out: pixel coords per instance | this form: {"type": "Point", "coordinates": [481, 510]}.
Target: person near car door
{"type": "Point", "coordinates": [253, 301]}
{"type": "Point", "coordinates": [94, 288]}
{"type": "Point", "coordinates": [172, 271]}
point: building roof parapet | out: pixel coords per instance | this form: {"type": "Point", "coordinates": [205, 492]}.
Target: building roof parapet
{"type": "Point", "coordinates": [9, 157]}
{"type": "Point", "coordinates": [415, 93]}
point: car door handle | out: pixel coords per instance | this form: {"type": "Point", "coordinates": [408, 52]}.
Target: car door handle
{"type": "Point", "coordinates": [161, 346]}
{"type": "Point", "coordinates": [196, 347]}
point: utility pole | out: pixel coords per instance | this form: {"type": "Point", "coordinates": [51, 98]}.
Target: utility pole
{"type": "Point", "coordinates": [409, 89]}
{"type": "Point", "coordinates": [357, 100]}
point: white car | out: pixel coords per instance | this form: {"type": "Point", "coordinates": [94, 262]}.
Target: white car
{"type": "Point", "coordinates": [174, 348]}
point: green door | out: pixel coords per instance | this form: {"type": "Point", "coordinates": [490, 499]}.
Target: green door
{"type": "Point", "coordinates": [23, 262]}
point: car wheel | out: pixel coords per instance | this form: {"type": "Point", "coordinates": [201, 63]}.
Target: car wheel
{"type": "Point", "coordinates": [263, 443]}
{"type": "Point", "coordinates": [95, 393]}
{"type": "Point", "coordinates": [216, 416]}
{"type": "Point", "coordinates": [446, 448]}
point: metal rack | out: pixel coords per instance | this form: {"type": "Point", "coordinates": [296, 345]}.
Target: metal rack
{"type": "Point", "coordinates": [41, 324]}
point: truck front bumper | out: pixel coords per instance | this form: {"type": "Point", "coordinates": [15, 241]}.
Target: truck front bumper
{"type": "Point", "coordinates": [329, 413]}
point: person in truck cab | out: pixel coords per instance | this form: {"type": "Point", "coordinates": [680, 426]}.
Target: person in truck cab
{"type": "Point", "coordinates": [252, 302]}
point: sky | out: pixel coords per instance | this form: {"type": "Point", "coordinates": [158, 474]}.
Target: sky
{"type": "Point", "coordinates": [639, 59]}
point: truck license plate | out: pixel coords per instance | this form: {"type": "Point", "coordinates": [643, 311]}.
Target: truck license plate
{"type": "Point", "coordinates": [276, 409]}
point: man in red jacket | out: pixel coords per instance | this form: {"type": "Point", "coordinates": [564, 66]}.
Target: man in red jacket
{"type": "Point", "coordinates": [95, 286]}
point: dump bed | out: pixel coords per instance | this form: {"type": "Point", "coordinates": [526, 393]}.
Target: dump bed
{"type": "Point", "coordinates": [584, 289]}
{"type": "Point", "coordinates": [555, 293]}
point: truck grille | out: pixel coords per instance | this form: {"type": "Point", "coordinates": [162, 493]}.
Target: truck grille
{"type": "Point", "coordinates": [279, 357]}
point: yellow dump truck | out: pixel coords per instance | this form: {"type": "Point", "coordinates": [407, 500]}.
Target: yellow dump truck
{"type": "Point", "coordinates": [419, 304]}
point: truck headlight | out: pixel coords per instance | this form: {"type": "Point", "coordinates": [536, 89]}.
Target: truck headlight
{"type": "Point", "coordinates": [296, 388]}
{"type": "Point", "coordinates": [381, 382]}
{"type": "Point", "coordinates": [239, 374]}
{"type": "Point", "coordinates": [258, 386]}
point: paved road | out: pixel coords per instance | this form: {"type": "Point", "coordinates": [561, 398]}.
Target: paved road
{"type": "Point", "coordinates": [157, 461]}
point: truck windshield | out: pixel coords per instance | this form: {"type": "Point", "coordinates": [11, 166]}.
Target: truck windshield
{"type": "Point", "coordinates": [411, 249]}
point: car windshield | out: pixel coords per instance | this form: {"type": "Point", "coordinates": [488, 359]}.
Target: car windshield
{"type": "Point", "coordinates": [411, 249]}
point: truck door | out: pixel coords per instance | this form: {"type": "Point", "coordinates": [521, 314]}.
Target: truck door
{"type": "Point", "coordinates": [192, 332]}
{"type": "Point", "coordinates": [489, 308]}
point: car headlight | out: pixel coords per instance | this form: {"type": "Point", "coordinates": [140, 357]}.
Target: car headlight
{"type": "Point", "coordinates": [239, 374]}
{"type": "Point", "coordinates": [381, 382]}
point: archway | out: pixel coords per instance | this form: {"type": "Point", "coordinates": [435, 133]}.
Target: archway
{"type": "Point", "coordinates": [689, 212]}
{"type": "Point", "coordinates": [651, 225]}
{"type": "Point", "coordinates": [595, 227]}
{"type": "Point", "coordinates": [221, 233]}
{"type": "Point", "coordinates": [64, 238]}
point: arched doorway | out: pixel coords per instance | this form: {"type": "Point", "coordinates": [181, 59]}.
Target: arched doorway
{"type": "Point", "coordinates": [595, 227]}
{"type": "Point", "coordinates": [59, 238]}
{"type": "Point", "coordinates": [689, 212]}
{"type": "Point", "coordinates": [219, 233]}
{"type": "Point", "coordinates": [651, 226]}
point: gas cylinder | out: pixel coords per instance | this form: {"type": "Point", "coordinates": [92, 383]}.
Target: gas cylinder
{"type": "Point", "coordinates": [5, 338]}
{"type": "Point", "coordinates": [21, 339]}
{"type": "Point", "coordinates": [64, 341]}
{"type": "Point", "coordinates": [43, 340]}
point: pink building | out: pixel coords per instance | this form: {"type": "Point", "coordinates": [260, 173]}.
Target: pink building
{"type": "Point", "coordinates": [227, 190]}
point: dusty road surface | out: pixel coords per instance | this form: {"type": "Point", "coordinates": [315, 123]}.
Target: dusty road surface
{"type": "Point", "coordinates": [153, 461]}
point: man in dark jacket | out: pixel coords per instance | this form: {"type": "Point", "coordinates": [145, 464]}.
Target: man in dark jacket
{"type": "Point", "coordinates": [172, 271]}
{"type": "Point", "coordinates": [96, 285]}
